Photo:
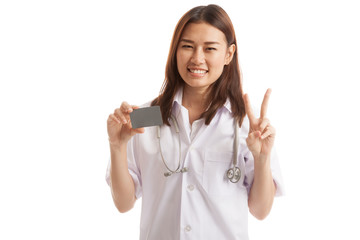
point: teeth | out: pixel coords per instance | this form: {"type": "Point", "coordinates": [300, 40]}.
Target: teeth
{"type": "Point", "coordinates": [197, 71]}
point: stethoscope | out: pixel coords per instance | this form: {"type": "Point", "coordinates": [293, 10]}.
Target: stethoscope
{"type": "Point", "coordinates": [233, 174]}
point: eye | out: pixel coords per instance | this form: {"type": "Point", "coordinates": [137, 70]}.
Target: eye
{"type": "Point", "coordinates": [186, 46]}
{"type": "Point", "coordinates": [210, 49]}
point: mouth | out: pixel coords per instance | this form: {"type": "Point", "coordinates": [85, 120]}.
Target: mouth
{"type": "Point", "coordinates": [197, 72]}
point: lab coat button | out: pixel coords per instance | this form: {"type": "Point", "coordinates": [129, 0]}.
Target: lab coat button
{"type": "Point", "coordinates": [187, 228]}
{"type": "Point", "coordinates": [191, 187]}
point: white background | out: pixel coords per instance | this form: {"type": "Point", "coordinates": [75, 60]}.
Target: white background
{"type": "Point", "coordinates": [66, 65]}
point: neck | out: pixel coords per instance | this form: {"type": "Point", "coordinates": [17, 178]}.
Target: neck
{"type": "Point", "coordinates": [194, 98]}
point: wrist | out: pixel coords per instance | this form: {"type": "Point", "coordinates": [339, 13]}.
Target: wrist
{"type": "Point", "coordinates": [117, 144]}
{"type": "Point", "coordinates": [262, 157]}
{"type": "Point", "coordinates": [262, 160]}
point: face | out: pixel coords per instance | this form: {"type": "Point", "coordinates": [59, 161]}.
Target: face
{"type": "Point", "coordinates": [201, 55]}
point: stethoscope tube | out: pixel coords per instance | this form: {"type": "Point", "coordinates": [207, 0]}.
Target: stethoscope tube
{"type": "Point", "coordinates": [177, 170]}
{"type": "Point", "coordinates": [233, 174]}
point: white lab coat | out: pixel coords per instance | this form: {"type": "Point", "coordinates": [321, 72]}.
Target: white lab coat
{"type": "Point", "coordinates": [201, 203]}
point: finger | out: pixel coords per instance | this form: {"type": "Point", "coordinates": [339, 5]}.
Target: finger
{"type": "Point", "coordinates": [248, 108]}
{"type": "Point", "coordinates": [268, 132]}
{"type": "Point", "coordinates": [120, 115]}
{"type": "Point", "coordinates": [252, 137]}
{"type": "Point", "coordinates": [125, 107]}
{"type": "Point", "coordinates": [264, 123]}
{"type": "Point", "coordinates": [264, 104]}
{"type": "Point", "coordinates": [132, 107]}
{"type": "Point", "coordinates": [112, 117]}
{"type": "Point", "coordinates": [139, 130]}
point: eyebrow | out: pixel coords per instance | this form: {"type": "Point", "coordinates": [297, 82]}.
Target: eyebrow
{"type": "Point", "coordinates": [190, 41]}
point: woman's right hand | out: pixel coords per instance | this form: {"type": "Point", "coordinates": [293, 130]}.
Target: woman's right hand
{"type": "Point", "coordinates": [119, 126]}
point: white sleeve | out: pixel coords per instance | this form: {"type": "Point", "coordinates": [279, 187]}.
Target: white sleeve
{"type": "Point", "coordinates": [275, 170]}
{"type": "Point", "coordinates": [276, 174]}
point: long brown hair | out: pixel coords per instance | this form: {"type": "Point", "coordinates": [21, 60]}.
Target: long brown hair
{"type": "Point", "coordinates": [229, 83]}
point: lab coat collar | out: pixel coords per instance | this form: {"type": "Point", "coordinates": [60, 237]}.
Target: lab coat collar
{"type": "Point", "coordinates": [177, 103]}
{"type": "Point", "coordinates": [227, 105]}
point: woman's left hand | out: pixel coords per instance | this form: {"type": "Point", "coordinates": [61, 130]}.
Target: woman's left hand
{"type": "Point", "coordinates": [261, 134]}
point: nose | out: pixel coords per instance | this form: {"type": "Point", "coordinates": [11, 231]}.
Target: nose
{"type": "Point", "coordinates": [198, 57]}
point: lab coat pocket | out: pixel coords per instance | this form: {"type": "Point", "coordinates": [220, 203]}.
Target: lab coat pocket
{"type": "Point", "coordinates": [215, 180]}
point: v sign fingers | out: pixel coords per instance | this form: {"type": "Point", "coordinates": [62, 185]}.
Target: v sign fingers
{"type": "Point", "coordinates": [248, 109]}
{"type": "Point", "coordinates": [261, 134]}
{"type": "Point", "coordinates": [264, 104]}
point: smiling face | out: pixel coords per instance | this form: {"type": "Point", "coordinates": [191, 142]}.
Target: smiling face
{"type": "Point", "coordinates": [201, 55]}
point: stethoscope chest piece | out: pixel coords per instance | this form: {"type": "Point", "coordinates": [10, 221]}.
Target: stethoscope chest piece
{"type": "Point", "coordinates": [234, 174]}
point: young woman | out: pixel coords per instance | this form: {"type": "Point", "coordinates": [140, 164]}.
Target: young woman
{"type": "Point", "coordinates": [201, 171]}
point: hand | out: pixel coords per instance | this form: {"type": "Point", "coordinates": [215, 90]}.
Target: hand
{"type": "Point", "coordinates": [119, 125]}
{"type": "Point", "coordinates": [261, 134]}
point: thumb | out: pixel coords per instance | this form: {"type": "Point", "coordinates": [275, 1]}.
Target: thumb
{"type": "Point", "coordinates": [252, 137]}
{"type": "Point", "coordinates": [137, 130]}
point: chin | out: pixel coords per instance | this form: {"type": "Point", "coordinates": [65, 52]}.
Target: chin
{"type": "Point", "coordinates": [197, 85]}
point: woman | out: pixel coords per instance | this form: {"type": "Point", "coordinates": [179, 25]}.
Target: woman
{"type": "Point", "coordinates": [205, 193]}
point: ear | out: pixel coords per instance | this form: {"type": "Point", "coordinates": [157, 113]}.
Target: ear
{"type": "Point", "coordinates": [230, 53]}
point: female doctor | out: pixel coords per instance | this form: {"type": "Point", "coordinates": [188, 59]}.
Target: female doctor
{"type": "Point", "coordinates": [208, 165]}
